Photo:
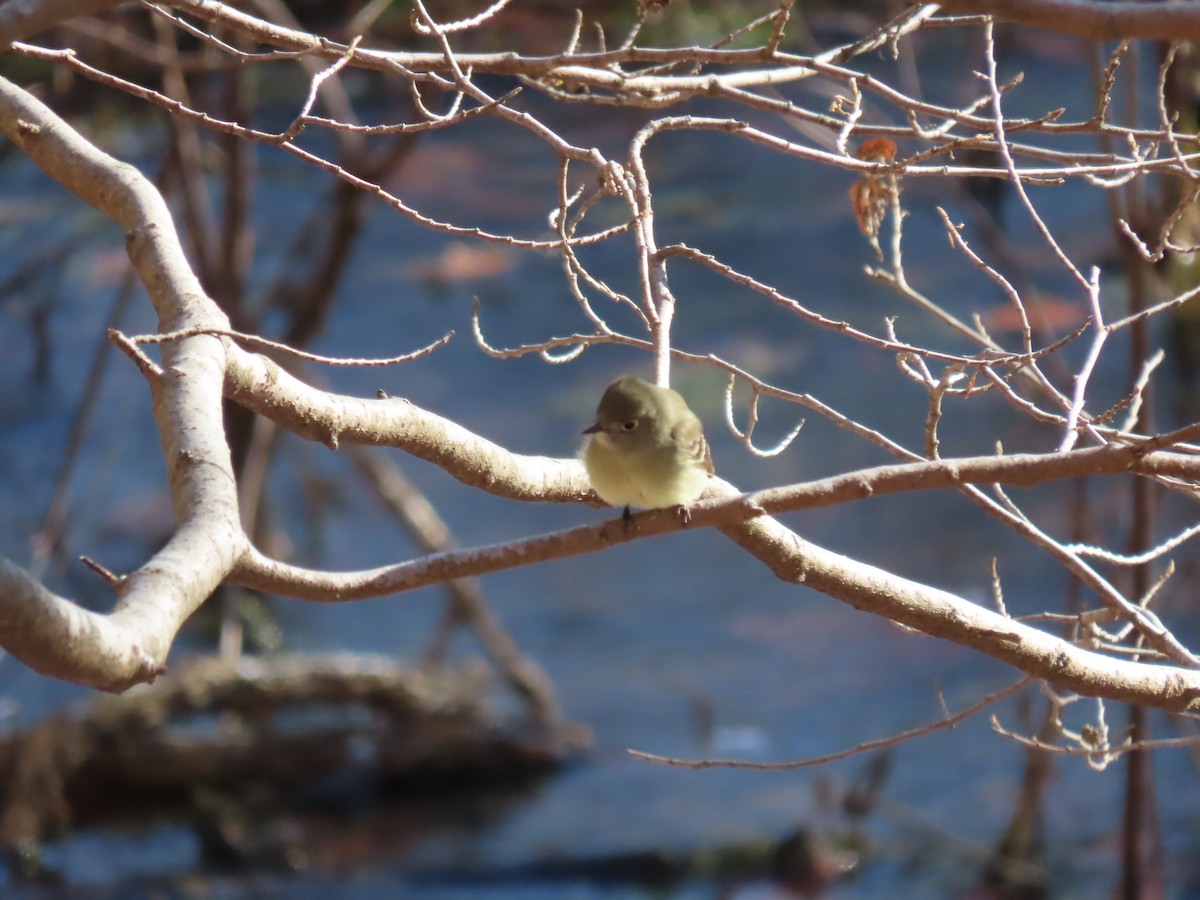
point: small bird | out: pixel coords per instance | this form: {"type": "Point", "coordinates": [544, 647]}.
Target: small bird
{"type": "Point", "coordinates": [646, 449]}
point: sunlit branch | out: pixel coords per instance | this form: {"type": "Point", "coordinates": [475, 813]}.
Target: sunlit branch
{"type": "Point", "coordinates": [1016, 177]}
{"type": "Point", "coordinates": [1083, 377]}
{"type": "Point", "coordinates": [174, 106]}
{"type": "Point", "coordinates": [1146, 623]}
{"type": "Point", "coordinates": [422, 25]}
{"type": "Point", "coordinates": [264, 344]}
{"type": "Point", "coordinates": [746, 437]}
{"type": "Point", "coordinates": [996, 356]}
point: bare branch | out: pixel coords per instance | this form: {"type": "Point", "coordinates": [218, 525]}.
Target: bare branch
{"type": "Point", "coordinates": [157, 598]}
{"type": "Point", "coordinates": [948, 720]}
{"type": "Point", "coordinates": [746, 437]}
{"type": "Point", "coordinates": [264, 344]}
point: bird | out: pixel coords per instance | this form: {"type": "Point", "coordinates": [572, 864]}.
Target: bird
{"type": "Point", "coordinates": [646, 448]}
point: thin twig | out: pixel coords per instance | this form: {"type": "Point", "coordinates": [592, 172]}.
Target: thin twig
{"type": "Point", "coordinates": [947, 721]}
{"type": "Point", "coordinates": [264, 344]}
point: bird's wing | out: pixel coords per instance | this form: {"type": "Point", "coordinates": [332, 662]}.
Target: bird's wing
{"type": "Point", "coordinates": [688, 436]}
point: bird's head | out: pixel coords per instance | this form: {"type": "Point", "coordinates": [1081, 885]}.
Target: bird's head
{"type": "Point", "coordinates": [627, 412]}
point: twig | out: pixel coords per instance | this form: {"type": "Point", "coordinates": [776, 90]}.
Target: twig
{"type": "Point", "coordinates": [947, 721]}
{"type": "Point", "coordinates": [264, 344]}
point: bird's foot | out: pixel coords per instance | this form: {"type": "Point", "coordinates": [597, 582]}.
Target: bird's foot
{"type": "Point", "coordinates": [685, 515]}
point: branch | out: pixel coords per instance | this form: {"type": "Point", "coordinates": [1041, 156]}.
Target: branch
{"type": "Point", "coordinates": [264, 387]}
{"type": "Point", "coordinates": [47, 632]}
{"type": "Point", "coordinates": [948, 720]}
{"type": "Point", "coordinates": [270, 391]}
{"type": "Point", "coordinates": [792, 559]}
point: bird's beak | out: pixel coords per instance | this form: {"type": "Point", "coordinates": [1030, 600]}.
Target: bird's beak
{"type": "Point", "coordinates": [593, 429]}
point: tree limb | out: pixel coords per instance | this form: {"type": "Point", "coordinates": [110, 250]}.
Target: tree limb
{"type": "Point", "coordinates": [47, 632]}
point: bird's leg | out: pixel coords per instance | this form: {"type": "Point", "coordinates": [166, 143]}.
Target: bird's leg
{"type": "Point", "coordinates": [627, 519]}
{"type": "Point", "coordinates": [685, 515]}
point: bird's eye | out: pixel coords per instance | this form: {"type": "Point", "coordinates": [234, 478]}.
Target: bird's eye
{"type": "Point", "coordinates": [629, 426]}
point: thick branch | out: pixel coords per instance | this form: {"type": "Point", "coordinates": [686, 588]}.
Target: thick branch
{"type": "Point", "coordinates": [156, 599]}
{"type": "Point", "coordinates": [266, 388]}
{"type": "Point", "coordinates": [395, 422]}
{"type": "Point", "coordinates": [792, 559]}
{"type": "Point", "coordinates": [941, 614]}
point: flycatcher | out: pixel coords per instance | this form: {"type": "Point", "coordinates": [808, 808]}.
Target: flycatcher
{"type": "Point", "coordinates": [647, 448]}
